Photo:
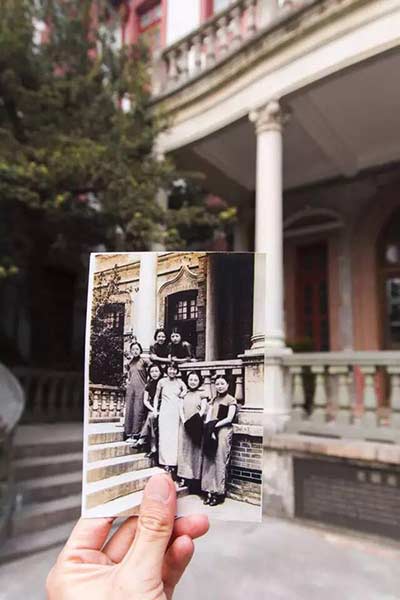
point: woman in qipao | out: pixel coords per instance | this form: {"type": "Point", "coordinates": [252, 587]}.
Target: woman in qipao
{"type": "Point", "coordinates": [192, 412]}
{"type": "Point", "coordinates": [136, 381]}
{"type": "Point", "coordinates": [217, 443]}
{"type": "Point", "coordinates": [170, 391]}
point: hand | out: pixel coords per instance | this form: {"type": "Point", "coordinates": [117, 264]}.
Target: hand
{"type": "Point", "coordinates": [143, 560]}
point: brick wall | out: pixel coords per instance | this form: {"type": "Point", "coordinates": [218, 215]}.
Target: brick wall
{"type": "Point", "coordinates": [245, 469]}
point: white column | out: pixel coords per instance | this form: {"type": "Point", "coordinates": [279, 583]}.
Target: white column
{"type": "Point", "coordinates": [146, 304]}
{"type": "Point", "coordinates": [268, 268]}
{"type": "Point", "coordinates": [269, 221]}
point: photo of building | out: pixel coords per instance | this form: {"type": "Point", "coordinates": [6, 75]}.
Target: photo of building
{"type": "Point", "coordinates": [214, 301]}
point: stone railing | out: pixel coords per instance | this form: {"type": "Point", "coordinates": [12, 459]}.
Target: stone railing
{"type": "Point", "coordinates": [106, 403]}
{"type": "Point", "coordinates": [216, 40]}
{"type": "Point", "coordinates": [209, 371]}
{"type": "Point", "coordinates": [345, 394]}
{"type": "Point", "coordinates": [51, 396]}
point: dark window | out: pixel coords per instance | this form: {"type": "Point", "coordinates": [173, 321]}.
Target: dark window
{"type": "Point", "coordinates": [181, 312]}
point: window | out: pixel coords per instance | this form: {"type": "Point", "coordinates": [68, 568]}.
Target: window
{"type": "Point", "coordinates": [150, 27]}
{"type": "Point", "coordinates": [186, 309]}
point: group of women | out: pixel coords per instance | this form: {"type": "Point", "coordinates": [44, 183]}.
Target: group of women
{"type": "Point", "coordinates": [184, 431]}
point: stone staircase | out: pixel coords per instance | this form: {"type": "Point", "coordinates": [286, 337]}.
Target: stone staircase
{"type": "Point", "coordinates": [48, 472]}
{"type": "Point", "coordinates": [48, 480]}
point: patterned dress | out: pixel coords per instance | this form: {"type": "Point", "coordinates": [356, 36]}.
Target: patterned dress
{"type": "Point", "coordinates": [134, 407]}
{"type": "Point", "coordinates": [213, 477]}
{"type": "Point", "coordinates": [190, 454]}
{"type": "Point", "coordinates": [168, 420]}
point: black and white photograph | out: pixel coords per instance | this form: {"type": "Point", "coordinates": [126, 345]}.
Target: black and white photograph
{"type": "Point", "coordinates": [174, 381]}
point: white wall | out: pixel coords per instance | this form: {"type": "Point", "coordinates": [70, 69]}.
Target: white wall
{"type": "Point", "coordinates": [182, 17]}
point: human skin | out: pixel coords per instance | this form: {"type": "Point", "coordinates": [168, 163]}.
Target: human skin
{"type": "Point", "coordinates": [143, 560]}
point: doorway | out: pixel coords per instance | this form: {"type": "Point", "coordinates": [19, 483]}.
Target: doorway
{"type": "Point", "coordinates": [389, 282]}
{"type": "Point", "coordinates": [181, 311]}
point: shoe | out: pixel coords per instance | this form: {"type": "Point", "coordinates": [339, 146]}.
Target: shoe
{"type": "Point", "coordinates": [217, 499]}
{"type": "Point", "coordinates": [181, 483]}
{"type": "Point", "coordinates": [207, 499]}
{"type": "Point", "coordinates": [150, 454]}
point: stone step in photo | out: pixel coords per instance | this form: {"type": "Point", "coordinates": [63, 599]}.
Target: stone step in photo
{"type": "Point", "coordinates": [41, 489]}
{"type": "Point", "coordinates": [46, 466]}
{"type": "Point", "coordinates": [125, 506]}
{"type": "Point", "coordinates": [110, 450]}
{"type": "Point", "coordinates": [100, 492]}
{"type": "Point", "coordinates": [42, 515]}
{"type": "Point", "coordinates": [30, 543]}
{"type": "Point", "coordinates": [102, 469]}
{"type": "Point", "coordinates": [106, 437]}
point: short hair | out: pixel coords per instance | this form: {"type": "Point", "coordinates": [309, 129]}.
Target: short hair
{"type": "Point", "coordinates": [159, 330]}
{"type": "Point", "coordinates": [198, 375]}
{"type": "Point", "coordinates": [174, 366]}
{"type": "Point", "coordinates": [136, 344]}
{"type": "Point", "coordinates": [151, 365]}
{"type": "Point", "coordinates": [224, 376]}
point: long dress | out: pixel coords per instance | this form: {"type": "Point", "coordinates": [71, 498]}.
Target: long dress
{"type": "Point", "coordinates": [189, 453]}
{"type": "Point", "coordinates": [213, 477]}
{"type": "Point", "coordinates": [134, 407]}
{"type": "Point", "coordinates": [168, 420]}
{"type": "Point", "coordinates": [150, 428]}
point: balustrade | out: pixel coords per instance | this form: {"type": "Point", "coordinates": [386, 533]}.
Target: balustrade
{"type": "Point", "coordinates": [106, 403]}
{"type": "Point", "coordinates": [217, 38]}
{"type": "Point", "coordinates": [345, 394]}
{"type": "Point", "coordinates": [51, 396]}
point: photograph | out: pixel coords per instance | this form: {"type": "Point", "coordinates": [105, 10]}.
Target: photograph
{"type": "Point", "coordinates": [174, 382]}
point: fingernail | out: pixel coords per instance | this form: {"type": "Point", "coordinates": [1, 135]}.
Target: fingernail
{"type": "Point", "coordinates": [159, 488]}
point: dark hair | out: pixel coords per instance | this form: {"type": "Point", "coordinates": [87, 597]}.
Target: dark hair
{"type": "Point", "coordinates": [136, 344]}
{"type": "Point", "coordinates": [159, 330]}
{"type": "Point", "coordinates": [198, 375]}
{"type": "Point", "coordinates": [154, 365]}
{"type": "Point", "coordinates": [175, 330]}
{"type": "Point", "coordinates": [224, 376]}
{"type": "Point", "coordinates": [174, 366]}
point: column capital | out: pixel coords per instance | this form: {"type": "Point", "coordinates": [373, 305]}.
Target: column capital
{"type": "Point", "coordinates": [272, 117]}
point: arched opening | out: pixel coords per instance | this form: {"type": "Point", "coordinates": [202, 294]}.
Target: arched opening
{"type": "Point", "coordinates": [389, 281]}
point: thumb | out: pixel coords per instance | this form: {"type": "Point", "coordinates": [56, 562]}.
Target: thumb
{"type": "Point", "coordinates": [154, 529]}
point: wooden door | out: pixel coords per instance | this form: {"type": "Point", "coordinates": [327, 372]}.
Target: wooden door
{"type": "Point", "coordinates": [312, 322]}
{"type": "Point", "coordinates": [181, 312]}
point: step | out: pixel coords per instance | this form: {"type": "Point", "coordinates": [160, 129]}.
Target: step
{"type": "Point", "coordinates": [41, 489]}
{"type": "Point", "coordinates": [42, 515]}
{"type": "Point", "coordinates": [102, 469]}
{"type": "Point", "coordinates": [105, 437]}
{"type": "Point", "coordinates": [125, 506]}
{"type": "Point", "coordinates": [47, 440]}
{"type": "Point", "coordinates": [110, 450]}
{"type": "Point", "coordinates": [45, 466]}
{"type": "Point", "coordinates": [30, 543]}
{"type": "Point", "coordinates": [100, 492]}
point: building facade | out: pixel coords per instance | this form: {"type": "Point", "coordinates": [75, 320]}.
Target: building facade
{"type": "Point", "coordinates": [289, 108]}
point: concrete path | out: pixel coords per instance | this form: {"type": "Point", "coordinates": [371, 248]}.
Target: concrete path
{"type": "Point", "coordinates": [275, 561]}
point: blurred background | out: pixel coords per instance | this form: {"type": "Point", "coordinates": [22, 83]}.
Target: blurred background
{"type": "Point", "coordinates": [267, 125]}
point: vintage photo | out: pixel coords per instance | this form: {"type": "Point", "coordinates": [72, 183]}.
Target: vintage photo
{"type": "Point", "coordinates": [174, 381]}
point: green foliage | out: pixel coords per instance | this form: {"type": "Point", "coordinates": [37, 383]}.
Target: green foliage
{"type": "Point", "coordinates": [106, 343]}
{"type": "Point", "coordinates": [76, 133]}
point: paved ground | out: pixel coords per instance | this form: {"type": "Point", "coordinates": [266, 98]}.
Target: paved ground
{"type": "Point", "coordinates": [230, 510]}
{"type": "Point", "coordinates": [274, 561]}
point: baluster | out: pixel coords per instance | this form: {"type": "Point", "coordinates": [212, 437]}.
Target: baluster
{"type": "Point", "coordinates": [38, 410]}
{"type": "Point", "coordinates": [251, 26]}
{"type": "Point", "coordinates": [119, 405]}
{"type": "Point", "coordinates": [207, 383]}
{"type": "Point", "coordinates": [173, 73]}
{"type": "Point", "coordinates": [223, 35]}
{"type": "Point", "coordinates": [184, 61]}
{"type": "Point", "coordinates": [298, 396]}
{"type": "Point", "coordinates": [96, 403]}
{"type": "Point", "coordinates": [52, 396]}
{"type": "Point", "coordinates": [209, 42]}
{"type": "Point", "coordinates": [394, 374]}
{"type": "Point", "coordinates": [104, 404]}
{"type": "Point", "coordinates": [370, 417]}
{"type": "Point", "coordinates": [236, 28]}
{"type": "Point", "coordinates": [239, 388]}
{"type": "Point", "coordinates": [343, 415]}
{"type": "Point", "coordinates": [320, 398]}
{"type": "Point", "coordinates": [111, 408]}
{"type": "Point", "coordinates": [196, 49]}
{"type": "Point", "coordinates": [159, 73]}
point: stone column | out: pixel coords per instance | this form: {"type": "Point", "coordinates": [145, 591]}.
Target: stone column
{"type": "Point", "coordinates": [268, 324]}
{"type": "Point", "coordinates": [269, 221]}
{"type": "Point", "coordinates": [146, 304]}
